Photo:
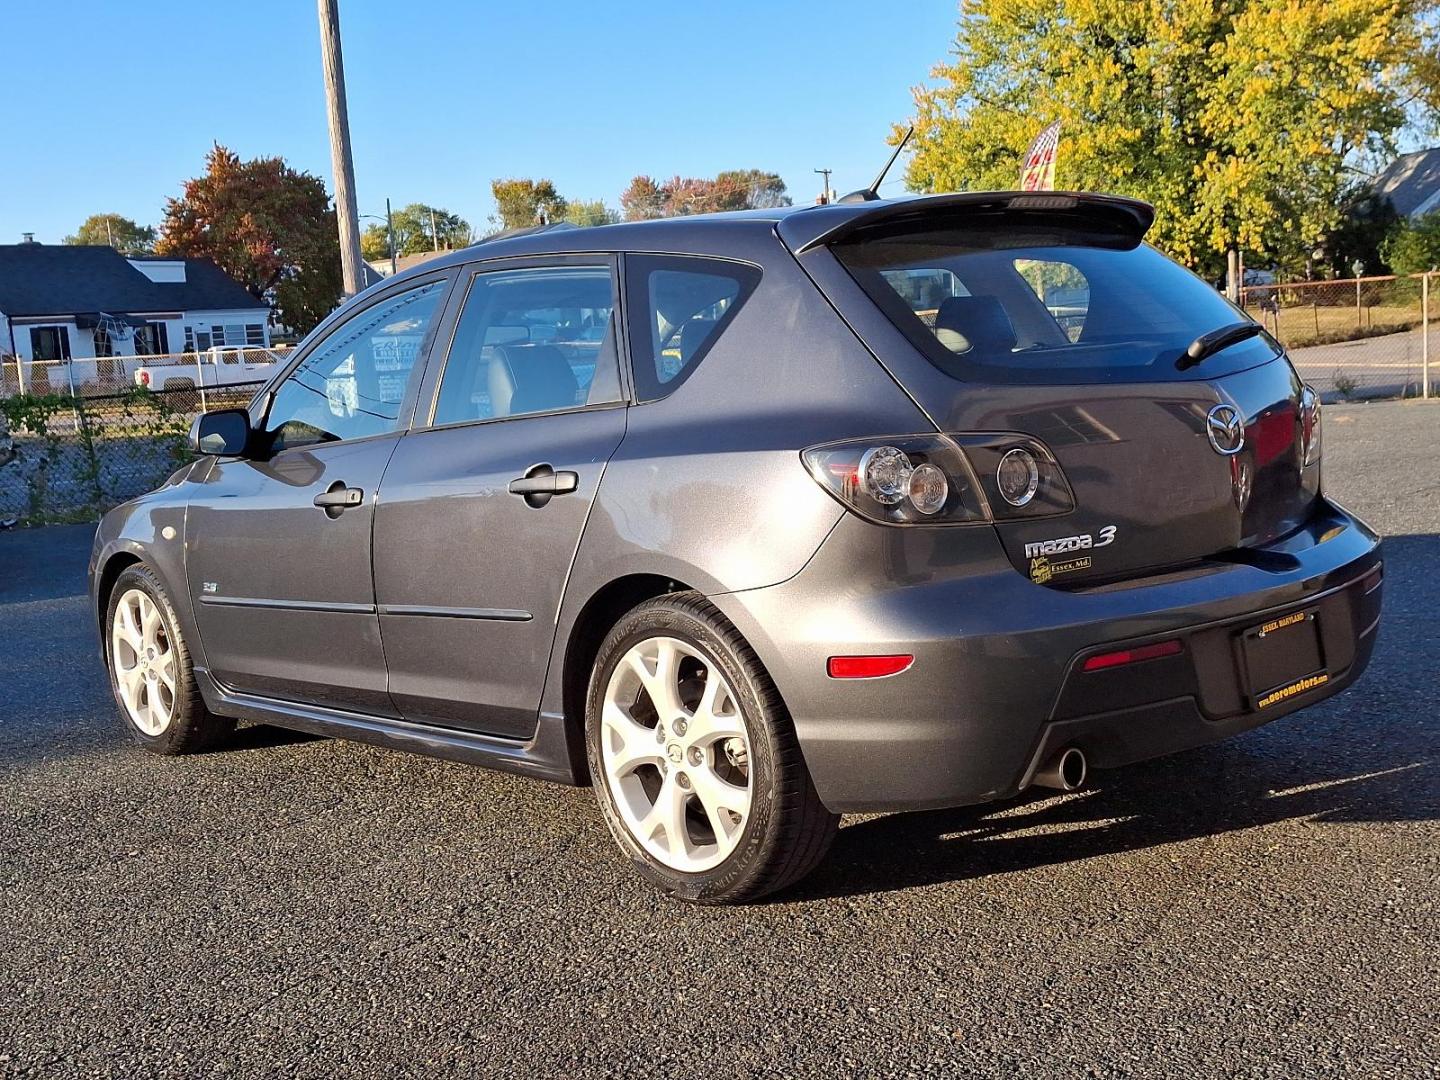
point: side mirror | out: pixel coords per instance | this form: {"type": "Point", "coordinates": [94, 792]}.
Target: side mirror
{"type": "Point", "coordinates": [223, 433]}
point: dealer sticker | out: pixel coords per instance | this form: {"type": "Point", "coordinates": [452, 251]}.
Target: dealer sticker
{"type": "Point", "coordinates": [1299, 686]}
{"type": "Point", "coordinates": [1042, 569]}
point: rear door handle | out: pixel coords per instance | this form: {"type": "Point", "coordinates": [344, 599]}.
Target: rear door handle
{"type": "Point", "coordinates": [337, 498]}
{"type": "Point", "coordinates": [541, 482]}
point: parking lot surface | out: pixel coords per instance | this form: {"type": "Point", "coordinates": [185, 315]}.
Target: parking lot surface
{"type": "Point", "coordinates": [300, 907]}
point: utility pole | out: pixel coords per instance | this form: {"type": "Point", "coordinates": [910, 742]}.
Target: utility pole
{"type": "Point", "coordinates": [434, 232]}
{"type": "Point", "coordinates": [340, 162]}
{"type": "Point", "coordinates": [829, 198]}
{"type": "Point", "coordinates": [390, 231]}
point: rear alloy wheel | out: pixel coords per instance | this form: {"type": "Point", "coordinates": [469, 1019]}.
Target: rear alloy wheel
{"type": "Point", "coordinates": [150, 670]}
{"type": "Point", "coordinates": [695, 760]}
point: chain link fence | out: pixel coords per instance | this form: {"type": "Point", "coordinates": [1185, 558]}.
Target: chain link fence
{"type": "Point", "coordinates": [71, 457]}
{"type": "Point", "coordinates": [102, 376]}
{"type": "Point", "coordinates": [1356, 338]}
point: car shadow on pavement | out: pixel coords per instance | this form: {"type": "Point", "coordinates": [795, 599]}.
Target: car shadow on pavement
{"type": "Point", "coordinates": [262, 737]}
{"type": "Point", "coordinates": [1204, 792]}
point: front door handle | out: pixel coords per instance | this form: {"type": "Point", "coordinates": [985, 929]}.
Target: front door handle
{"type": "Point", "coordinates": [337, 498]}
{"type": "Point", "coordinates": [541, 482]}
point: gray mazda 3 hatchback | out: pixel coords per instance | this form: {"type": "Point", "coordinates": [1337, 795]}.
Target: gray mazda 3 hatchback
{"type": "Point", "coordinates": [751, 520]}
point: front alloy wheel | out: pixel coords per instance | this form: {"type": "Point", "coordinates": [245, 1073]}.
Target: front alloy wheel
{"type": "Point", "coordinates": [144, 662]}
{"type": "Point", "coordinates": [150, 670]}
{"type": "Point", "coordinates": [695, 761]}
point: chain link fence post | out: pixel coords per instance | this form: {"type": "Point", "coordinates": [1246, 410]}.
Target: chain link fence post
{"type": "Point", "coordinates": [1425, 335]}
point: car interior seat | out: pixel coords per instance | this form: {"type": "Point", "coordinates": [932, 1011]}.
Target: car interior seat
{"type": "Point", "coordinates": [974, 322]}
{"type": "Point", "coordinates": [530, 378]}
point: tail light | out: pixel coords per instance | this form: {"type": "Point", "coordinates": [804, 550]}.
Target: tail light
{"type": "Point", "coordinates": [942, 479]}
{"type": "Point", "coordinates": [1310, 425]}
{"type": "Point", "coordinates": [143, 377]}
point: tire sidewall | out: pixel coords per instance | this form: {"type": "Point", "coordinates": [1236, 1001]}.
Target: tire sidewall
{"type": "Point", "coordinates": [660, 618]}
{"type": "Point", "coordinates": [139, 577]}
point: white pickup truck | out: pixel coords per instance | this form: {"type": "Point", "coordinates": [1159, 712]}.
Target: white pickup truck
{"type": "Point", "coordinates": [220, 365]}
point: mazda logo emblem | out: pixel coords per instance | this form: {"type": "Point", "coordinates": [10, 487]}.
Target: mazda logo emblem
{"type": "Point", "coordinates": [1226, 428]}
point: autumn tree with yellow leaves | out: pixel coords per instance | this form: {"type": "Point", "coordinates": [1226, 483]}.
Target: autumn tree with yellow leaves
{"type": "Point", "coordinates": [1241, 120]}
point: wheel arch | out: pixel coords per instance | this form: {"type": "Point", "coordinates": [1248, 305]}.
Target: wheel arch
{"type": "Point", "coordinates": [114, 566]}
{"type": "Point", "coordinates": [602, 611]}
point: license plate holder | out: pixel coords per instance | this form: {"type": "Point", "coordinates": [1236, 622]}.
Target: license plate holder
{"type": "Point", "coordinates": [1282, 657]}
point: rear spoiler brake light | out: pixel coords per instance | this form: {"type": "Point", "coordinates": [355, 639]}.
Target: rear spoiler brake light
{"type": "Point", "coordinates": [1128, 217]}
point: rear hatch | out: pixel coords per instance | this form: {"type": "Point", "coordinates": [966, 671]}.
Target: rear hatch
{"type": "Point", "coordinates": [1049, 317]}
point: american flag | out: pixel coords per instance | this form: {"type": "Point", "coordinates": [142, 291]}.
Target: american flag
{"type": "Point", "coordinates": [1038, 172]}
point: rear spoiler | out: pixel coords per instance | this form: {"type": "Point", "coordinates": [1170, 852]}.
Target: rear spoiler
{"type": "Point", "coordinates": [826, 225]}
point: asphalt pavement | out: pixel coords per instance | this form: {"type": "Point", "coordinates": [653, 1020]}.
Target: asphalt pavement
{"type": "Point", "coordinates": [300, 907]}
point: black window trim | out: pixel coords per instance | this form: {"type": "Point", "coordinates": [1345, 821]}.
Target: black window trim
{"type": "Point", "coordinates": [264, 397]}
{"type": "Point", "coordinates": [424, 418]}
{"type": "Point", "coordinates": [748, 285]}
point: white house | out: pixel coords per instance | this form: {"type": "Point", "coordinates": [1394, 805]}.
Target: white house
{"type": "Point", "coordinates": [82, 306]}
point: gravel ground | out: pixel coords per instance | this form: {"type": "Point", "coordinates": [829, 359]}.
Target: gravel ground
{"type": "Point", "coordinates": [299, 907]}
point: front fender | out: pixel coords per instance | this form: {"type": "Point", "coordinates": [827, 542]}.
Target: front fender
{"type": "Point", "coordinates": [150, 529]}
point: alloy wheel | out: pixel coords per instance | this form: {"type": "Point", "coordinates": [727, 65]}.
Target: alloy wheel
{"type": "Point", "coordinates": [676, 754]}
{"type": "Point", "coordinates": [144, 660]}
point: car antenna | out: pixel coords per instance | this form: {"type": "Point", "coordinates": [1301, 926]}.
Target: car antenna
{"type": "Point", "coordinates": [871, 193]}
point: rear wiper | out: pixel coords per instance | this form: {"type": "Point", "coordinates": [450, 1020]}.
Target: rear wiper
{"type": "Point", "coordinates": [1213, 341]}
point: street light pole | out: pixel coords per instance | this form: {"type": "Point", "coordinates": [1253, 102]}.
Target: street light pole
{"type": "Point", "coordinates": [340, 161]}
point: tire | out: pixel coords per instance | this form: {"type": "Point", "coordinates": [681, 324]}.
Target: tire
{"type": "Point", "coordinates": [704, 818]}
{"type": "Point", "coordinates": [168, 716]}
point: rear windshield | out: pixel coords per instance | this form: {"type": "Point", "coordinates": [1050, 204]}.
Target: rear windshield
{"type": "Point", "coordinates": [1007, 301]}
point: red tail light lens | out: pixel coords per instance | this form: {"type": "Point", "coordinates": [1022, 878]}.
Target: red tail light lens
{"type": "Point", "coordinates": [1131, 656]}
{"type": "Point", "coordinates": [144, 378]}
{"type": "Point", "coordinates": [1310, 425]}
{"type": "Point", "coordinates": [867, 667]}
{"type": "Point", "coordinates": [901, 480]}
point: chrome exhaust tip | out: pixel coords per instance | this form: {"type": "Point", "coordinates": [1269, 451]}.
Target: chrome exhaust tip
{"type": "Point", "coordinates": [1065, 771]}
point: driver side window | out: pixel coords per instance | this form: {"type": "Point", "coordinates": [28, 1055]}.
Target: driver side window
{"type": "Point", "coordinates": [353, 382]}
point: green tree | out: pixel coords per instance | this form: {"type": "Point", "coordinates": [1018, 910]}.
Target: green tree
{"type": "Point", "coordinates": [268, 226]}
{"type": "Point", "coordinates": [1368, 221]}
{"type": "Point", "coordinates": [522, 203]}
{"type": "Point", "coordinates": [1236, 118]}
{"type": "Point", "coordinates": [121, 233]}
{"type": "Point", "coordinates": [419, 227]}
{"type": "Point", "coordinates": [590, 213]}
{"type": "Point", "coordinates": [1414, 246]}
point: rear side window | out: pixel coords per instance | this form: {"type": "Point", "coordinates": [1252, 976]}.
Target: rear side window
{"type": "Point", "coordinates": [1005, 301]}
{"type": "Point", "coordinates": [532, 341]}
{"type": "Point", "coordinates": [679, 307]}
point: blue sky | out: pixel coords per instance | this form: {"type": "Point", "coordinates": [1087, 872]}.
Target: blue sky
{"type": "Point", "coordinates": [110, 106]}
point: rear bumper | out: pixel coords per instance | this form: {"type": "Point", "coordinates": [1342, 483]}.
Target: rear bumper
{"type": "Point", "coordinates": [997, 684]}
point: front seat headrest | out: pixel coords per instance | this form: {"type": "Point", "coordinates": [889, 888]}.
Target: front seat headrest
{"type": "Point", "coordinates": [980, 320]}
{"type": "Point", "coordinates": [693, 334]}
{"type": "Point", "coordinates": [531, 378]}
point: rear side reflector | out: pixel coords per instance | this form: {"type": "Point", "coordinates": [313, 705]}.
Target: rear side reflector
{"type": "Point", "coordinates": [1130, 656]}
{"type": "Point", "coordinates": [867, 667]}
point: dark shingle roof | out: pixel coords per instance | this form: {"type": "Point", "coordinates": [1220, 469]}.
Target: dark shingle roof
{"type": "Point", "coordinates": [1411, 181]}
{"type": "Point", "coordinates": [63, 279]}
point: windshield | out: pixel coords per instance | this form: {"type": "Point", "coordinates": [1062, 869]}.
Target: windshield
{"type": "Point", "coordinates": [1005, 301]}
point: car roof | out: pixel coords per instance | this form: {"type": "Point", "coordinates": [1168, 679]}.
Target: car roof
{"type": "Point", "coordinates": [800, 227]}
